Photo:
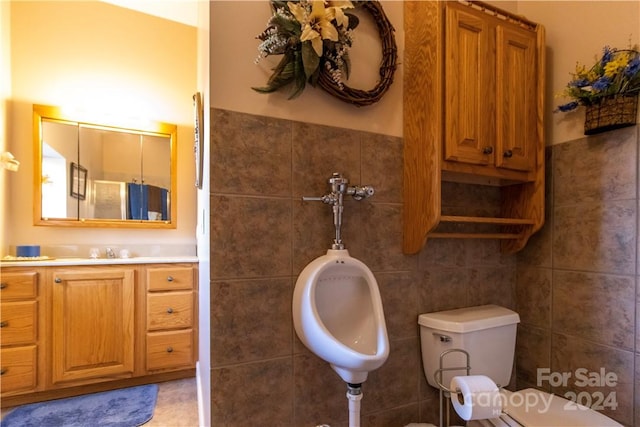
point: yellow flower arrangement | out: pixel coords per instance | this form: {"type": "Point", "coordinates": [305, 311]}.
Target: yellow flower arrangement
{"type": "Point", "coordinates": [309, 34]}
{"type": "Point", "coordinates": [617, 72]}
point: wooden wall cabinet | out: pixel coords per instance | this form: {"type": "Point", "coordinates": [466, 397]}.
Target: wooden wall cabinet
{"type": "Point", "coordinates": [473, 110]}
{"type": "Point", "coordinates": [69, 330]}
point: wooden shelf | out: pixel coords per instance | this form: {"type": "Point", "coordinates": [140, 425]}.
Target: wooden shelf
{"type": "Point", "coordinates": [503, 235]}
{"type": "Point", "coordinates": [487, 220]}
{"type": "Point", "coordinates": [474, 236]}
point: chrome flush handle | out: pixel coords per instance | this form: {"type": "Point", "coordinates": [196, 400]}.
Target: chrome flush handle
{"type": "Point", "coordinates": [339, 187]}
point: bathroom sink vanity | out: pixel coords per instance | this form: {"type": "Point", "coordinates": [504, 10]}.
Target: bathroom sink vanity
{"type": "Point", "coordinates": [79, 326]}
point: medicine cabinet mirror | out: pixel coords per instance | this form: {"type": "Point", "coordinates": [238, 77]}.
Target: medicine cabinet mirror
{"type": "Point", "coordinates": [89, 174]}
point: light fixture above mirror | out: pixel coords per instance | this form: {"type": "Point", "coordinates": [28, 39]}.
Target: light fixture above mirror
{"type": "Point", "coordinates": [104, 174]}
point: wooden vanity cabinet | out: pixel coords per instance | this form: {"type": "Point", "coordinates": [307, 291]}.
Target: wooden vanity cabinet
{"type": "Point", "coordinates": [20, 331]}
{"type": "Point", "coordinates": [69, 330]}
{"type": "Point", "coordinates": [473, 109]}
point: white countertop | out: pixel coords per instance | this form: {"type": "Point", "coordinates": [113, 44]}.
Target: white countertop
{"type": "Point", "coordinates": [48, 261]}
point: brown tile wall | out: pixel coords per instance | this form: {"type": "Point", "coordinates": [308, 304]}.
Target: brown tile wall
{"type": "Point", "coordinates": [262, 236]}
{"type": "Point", "coordinates": [577, 281]}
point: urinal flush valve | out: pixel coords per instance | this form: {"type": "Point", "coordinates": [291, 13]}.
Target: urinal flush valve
{"type": "Point", "coordinates": [339, 187]}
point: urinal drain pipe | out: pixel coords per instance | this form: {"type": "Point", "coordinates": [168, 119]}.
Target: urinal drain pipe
{"type": "Point", "coordinates": [354, 394]}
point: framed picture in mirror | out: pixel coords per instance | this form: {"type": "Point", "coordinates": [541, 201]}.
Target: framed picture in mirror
{"type": "Point", "coordinates": [78, 181]}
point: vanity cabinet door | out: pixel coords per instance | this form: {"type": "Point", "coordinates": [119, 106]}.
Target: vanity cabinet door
{"type": "Point", "coordinates": [92, 324]}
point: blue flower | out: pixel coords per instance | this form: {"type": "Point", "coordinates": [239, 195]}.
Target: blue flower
{"type": "Point", "coordinates": [633, 67]}
{"type": "Point", "coordinates": [568, 107]}
{"type": "Point", "coordinates": [607, 54]}
{"type": "Point", "coordinates": [601, 84]}
{"type": "Point", "coordinates": [579, 83]}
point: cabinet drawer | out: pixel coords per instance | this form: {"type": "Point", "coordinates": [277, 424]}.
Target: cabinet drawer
{"type": "Point", "coordinates": [15, 285]}
{"type": "Point", "coordinates": [172, 310]}
{"type": "Point", "coordinates": [18, 368]}
{"type": "Point", "coordinates": [169, 278]}
{"type": "Point", "coordinates": [169, 349]}
{"type": "Point", "coordinates": [18, 322]}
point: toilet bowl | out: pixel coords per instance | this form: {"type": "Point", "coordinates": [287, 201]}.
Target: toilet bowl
{"type": "Point", "coordinates": [535, 408]}
{"type": "Point", "coordinates": [338, 315]}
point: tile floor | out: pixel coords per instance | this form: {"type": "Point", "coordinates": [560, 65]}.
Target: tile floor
{"type": "Point", "coordinates": [177, 405]}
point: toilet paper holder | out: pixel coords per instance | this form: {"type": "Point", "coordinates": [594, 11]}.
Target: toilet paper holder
{"type": "Point", "coordinates": [438, 379]}
{"type": "Point", "coordinates": [438, 374]}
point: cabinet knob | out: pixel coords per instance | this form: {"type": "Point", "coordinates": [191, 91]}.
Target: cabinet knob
{"type": "Point", "coordinates": [57, 280]}
{"type": "Point", "coordinates": [4, 285]}
{"type": "Point", "coordinates": [3, 371]}
{"type": "Point", "coordinates": [169, 279]}
{"type": "Point", "coordinates": [169, 349]}
{"type": "Point", "coordinates": [169, 310]}
{"type": "Point", "coordinates": [508, 153]}
{"type": "Point", "coordinates": [4, 324]}
{"type": "Point", "coordinates": [487, 150]}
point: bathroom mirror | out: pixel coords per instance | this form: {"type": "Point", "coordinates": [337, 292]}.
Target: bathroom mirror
{"type": "Point", "coordinates": [106, 174]}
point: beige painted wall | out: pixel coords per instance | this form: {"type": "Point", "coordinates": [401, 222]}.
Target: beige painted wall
{"type": "Point", "coordinates": [234, 26]}
{"type": "Point", "coordinates": [577, 31]}
{"type": "Point", "coordinates": [94, 56]}
{"type": "Point", "coordinates": [5, 93]}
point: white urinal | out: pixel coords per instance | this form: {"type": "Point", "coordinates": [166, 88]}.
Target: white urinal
{"type": "Point", "coordinates": [338, 315]}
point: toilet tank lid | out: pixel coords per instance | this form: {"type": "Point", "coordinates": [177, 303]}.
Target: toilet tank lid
{"type": "Point", "coordinates": [469, 319]}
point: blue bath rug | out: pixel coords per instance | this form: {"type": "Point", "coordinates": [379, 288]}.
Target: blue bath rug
{"type": "Point", "coordinates": [127, 407]}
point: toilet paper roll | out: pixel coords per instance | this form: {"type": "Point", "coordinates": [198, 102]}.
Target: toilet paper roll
{"type": "Point", "coordinates": [475, 397]}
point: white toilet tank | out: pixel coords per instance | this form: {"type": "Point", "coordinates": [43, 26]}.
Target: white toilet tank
{"type": "Point", "coordinates": [487, 333]}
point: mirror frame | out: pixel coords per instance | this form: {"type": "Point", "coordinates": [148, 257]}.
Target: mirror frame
{"type": "Point", "coordinates": [151, 128]}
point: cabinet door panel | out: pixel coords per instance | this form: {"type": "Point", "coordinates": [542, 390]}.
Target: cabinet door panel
{"type": "Point", "coordinates": [516, 93]}
{"type": "Point", "coordinates": [469, 74]}
{"type": "Point", "coordinates": [93, 326]}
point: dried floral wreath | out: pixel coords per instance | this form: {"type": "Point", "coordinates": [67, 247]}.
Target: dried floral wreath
{"type": "Point", "coordinates": [314, 37]}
